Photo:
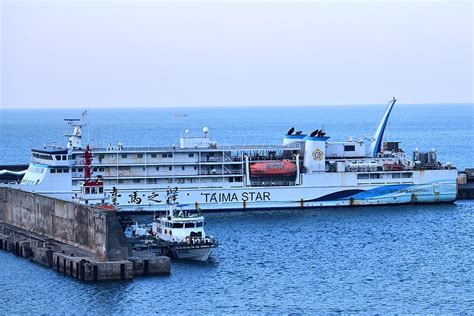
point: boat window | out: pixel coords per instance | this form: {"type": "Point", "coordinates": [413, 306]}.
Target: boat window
{"type": "Point", "coordinates": [139, 155]}
{"type": "Point", "coordinates": [182, 167]}
{"type": "Point", "coordinates": [59, 170]}
{"type": "Point", "coordinates": [396, 175]}
{"type": "Point", "coordinates": [124, 155]}
{"type": "Point", "coordinates": [136, 180]}
{"type": "Point", "coordinates": [64, 157]}
{"type": "Point", "coordinates": [363, 176]}
{"type": "Point", "coordinates": [406, 175]}
{"type": "Point", "coordinates": [189, 225]}
{"type": "Point", "coordinates": [170, 168]}
{"type": "Point", "coordinates": [178, 225]}
{"type": "Point", "coordinates": [167, 155]}
{"type": "Point", "coordinates": [195, 167]}
{"type": "Point", "coordinates": [349, 148]}
{"type": "Point", "coordinates": [101, 190]}
{"type": "Point", "coordinates": [158, 168]}
{"type": "Point", "coordinates": [80, 170]}
{"type": "Point", "coordinates": [199, 224]}
{"type": "Point", "coordinates": [52, 170]}
{"type": "Point", "coordinates": [374, 176]}
{"type": "Point", "coordinates": [190, 155]}
{"type": "Point", "coordinates": [153, 155]}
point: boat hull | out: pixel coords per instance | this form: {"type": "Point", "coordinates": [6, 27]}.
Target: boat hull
{"type": "Point", "coordinates": [192, 252]}
{"type": "Point", "coordinates": [316, 190]}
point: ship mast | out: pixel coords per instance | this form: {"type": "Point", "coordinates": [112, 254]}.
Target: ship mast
{"type": "Point", "coordinates": [87, 164]}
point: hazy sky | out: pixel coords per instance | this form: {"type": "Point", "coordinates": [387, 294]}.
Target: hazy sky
{"type": "Point", "coordinates": [175, 53]}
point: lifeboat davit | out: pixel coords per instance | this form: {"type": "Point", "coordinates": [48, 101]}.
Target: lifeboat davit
{"type": "Point", "coordinates": [282, 168]}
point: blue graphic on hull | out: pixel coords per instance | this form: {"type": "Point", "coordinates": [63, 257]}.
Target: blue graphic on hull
{"type": "Point", "coordinates": [358, 194]}
{"type": "Point", "coordinates": [377, 192]}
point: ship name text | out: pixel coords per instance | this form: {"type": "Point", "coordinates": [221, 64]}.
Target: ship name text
{"type": "Point", "coordinates": [234, 197]}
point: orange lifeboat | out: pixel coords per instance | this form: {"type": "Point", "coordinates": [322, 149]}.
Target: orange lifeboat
{"type": "Point", "coordinates": [283, 168]}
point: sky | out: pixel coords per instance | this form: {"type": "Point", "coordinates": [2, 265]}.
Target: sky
{"type": "Point", "coordinates": [223, 53]}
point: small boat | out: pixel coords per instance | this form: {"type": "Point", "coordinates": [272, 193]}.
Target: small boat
{"type": "Point", "coordinates": [284, 168]}
{"type": "Point", "coordinates": [180, 115]}
{"type": "Point", "coordinates": [183, 232]}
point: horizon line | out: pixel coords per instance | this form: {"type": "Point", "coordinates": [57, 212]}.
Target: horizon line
{"type": "Point", "coordinates": [226, 106]}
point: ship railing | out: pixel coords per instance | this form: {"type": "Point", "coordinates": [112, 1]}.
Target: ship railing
{"type": "Point", "coordinates": [269, 158]}
{"type": "Point", "coordinates": [434, 167]}
{"type": "Point", "coordinates": [227, 171]}
{"type": "Point", "coordinates": [115, 148]}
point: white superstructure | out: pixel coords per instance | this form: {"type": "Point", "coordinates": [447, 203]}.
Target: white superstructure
{"type": "Point", "coordinates": [304, 171]}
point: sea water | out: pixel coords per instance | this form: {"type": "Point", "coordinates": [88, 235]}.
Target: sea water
{"type": "Point", "coordinates": [366, 259]}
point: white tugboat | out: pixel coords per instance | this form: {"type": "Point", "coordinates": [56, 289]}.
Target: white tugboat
{"type": "Point", "coordinates": [183, 231]}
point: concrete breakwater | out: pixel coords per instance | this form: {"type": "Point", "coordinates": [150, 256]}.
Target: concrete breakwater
{"type": "Point", "coordinates": [77, 240]}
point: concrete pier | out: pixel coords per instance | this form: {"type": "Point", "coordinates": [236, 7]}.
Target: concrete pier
{"type": "Point", "coordinates": [80, 241]}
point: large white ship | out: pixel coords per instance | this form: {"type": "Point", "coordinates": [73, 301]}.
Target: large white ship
{"type": "Point", "coordinates": [304, 171]}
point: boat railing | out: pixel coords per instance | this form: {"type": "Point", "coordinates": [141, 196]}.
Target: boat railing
{"type": "Point", "coordinates": [120, 148]}
{"type": "Point", "coordinates": [272, 183]}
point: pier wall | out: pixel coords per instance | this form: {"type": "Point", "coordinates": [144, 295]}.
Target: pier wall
{"type": "Point", "coordinates": [89, 228]}
{"type": "Point", "coordinates": [80, 241]}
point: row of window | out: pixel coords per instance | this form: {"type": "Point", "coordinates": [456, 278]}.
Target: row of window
{"type": "Point", "coordinates": [182, 225]}
{"type": "Point", "coordinates": [163, 155]}
{"type": "Point", "coordinates": [49, 157]}
{"type": "Point", "coordinates": [59, 170]}
{"type": "Point", "coordinates": [379, 176]}
{"type": "Point", "coordinates": [178, 180]}
{"type": "Point", "coordinates": [82, 169]}
{"type": "Point", "coordinates": [92, 190]}
{"type": "Point", "coordinates": [42, 156]}
{"type": "Point", "coordinates": [128, 168]}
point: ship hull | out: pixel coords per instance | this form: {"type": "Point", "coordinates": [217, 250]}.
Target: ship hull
{"type": "Point", "coordinates": [198, 253]}
{"type": "Point", "coordinates": [340, 190]}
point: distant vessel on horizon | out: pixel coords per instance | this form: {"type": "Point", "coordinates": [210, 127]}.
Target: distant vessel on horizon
{"type": "Point", "coordinates": [303, 171]}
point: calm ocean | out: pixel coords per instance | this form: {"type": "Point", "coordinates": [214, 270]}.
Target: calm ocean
{"type": "Point", "coordinates": [403, 259]}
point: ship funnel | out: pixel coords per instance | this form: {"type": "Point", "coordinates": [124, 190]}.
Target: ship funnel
{"type": "Point", "coordinates": [315, 154]}
{"type": "Point", "coordinates": [376, 144]}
